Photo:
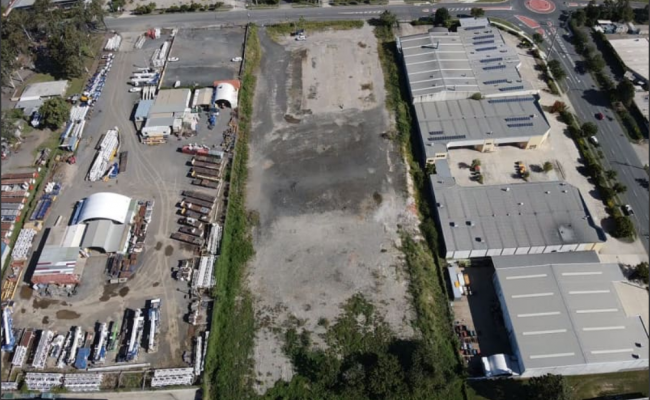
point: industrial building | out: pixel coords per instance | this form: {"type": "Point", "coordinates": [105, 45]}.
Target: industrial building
{"type": "Point", "coordinates": [524, 218]}
{"type": "Point", "coordinates": [226, 94]}
{"type": "Point", "coordinates": [442, 65]}
{"type": "Point", "coordinates": [35, 95]}
{"type": "Point", "coordinates": [167, 114]}
{"type": "Point", "coordinates": [634, 53]}
{"type": "Point", "coordinates": [59, 265]}
{"type": "Point", "coordinates": [107, 217]}
{"type": "Point", "coordinates": [480, 124]}
{"type": "Point", "coordinates": [564, 315]}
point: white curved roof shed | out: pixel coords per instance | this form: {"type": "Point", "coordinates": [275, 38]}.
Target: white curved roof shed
{"type": "Point", "coordinates": [226, 92]}
{"type": "Point", "coordinates": [111, 206]}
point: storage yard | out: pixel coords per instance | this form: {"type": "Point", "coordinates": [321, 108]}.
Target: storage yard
{"type": "Point", "coordinates": [103, 273]}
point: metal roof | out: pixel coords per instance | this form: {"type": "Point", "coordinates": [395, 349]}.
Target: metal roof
{"type": "Point", "coordinates": [565, 311]}
{"type": "Point", "coordinates": [471, 122]}
{"type": "Point", "coordinates": [473, 59]}
{"type": "Point", "coordinates": [111, 206]}
{"type": "Point", "coordinates": [142, 111]}
{"type": "Point", "coordinates": [105, 235]}
{"type": "Point", "coordinates": [634, 54]}
{"type": "Point", "coordinates": [511, 216]}
{"type": "Point", "coordinates": [171, 100]}
{"type": "Point", "coordinates": [55, 260]}
{"type": "Point", "coordinates": [44, 89]}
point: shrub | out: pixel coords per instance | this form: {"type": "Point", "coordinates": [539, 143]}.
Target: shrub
{"type": "Point", "coordinates": [623, 227]}
{"type": "Point", "coordinates": [548, 166]}
{"type": "Point", "coordinates": [476, 96]}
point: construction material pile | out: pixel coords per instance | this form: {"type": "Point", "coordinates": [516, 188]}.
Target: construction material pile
{"type": "Point", "coordinates": [15, 189]}
{"type": "Point", "coordinates": [172, 376]}
{"type": "Point", "coordinates": [83, 382]}
{"type": "Point", "coordinates": [108, 147]}
{"type": "Point", "coordinates": [23, 244]}
{"type": "Point", "coordinates": [113, 44]}
{"type": "Point", "coordinates": [160, 56]}
{"type": "Point", "coordinates": [43, 382]}
{"type": "Point", "coordinates": [44, 205]}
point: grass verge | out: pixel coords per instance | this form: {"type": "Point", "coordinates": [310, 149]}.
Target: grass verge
{"type": "Point", "coordinates": [275, 31]}
{"type": "Point", "coordinates": [228, 363]}
{"type": "Point", "coordinates": [505, 23]}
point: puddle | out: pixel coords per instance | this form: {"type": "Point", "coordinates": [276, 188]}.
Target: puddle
{"type": "Point", "coordinates": [46, 320]}
{"type": "Point", "coordinates": [22, 311]}
{"type": "Point", "coordinates": [43, 303]}
{"type": "Point", "coordinates": [26, 292]}
{"type": "Point", "coordinates": [169, 250]}
{"type": "Point", "coordinates": [109, 291]}
{"type": "Point", "coordinates": [124, 291]}
{"type": "Point", "coordinates": [158, 245]}
{"type": "Point", "coordinates": [67, 314]}
{"type": "Point", "coordinates": [156, 284]}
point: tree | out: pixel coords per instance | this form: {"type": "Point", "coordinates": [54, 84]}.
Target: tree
{"type": "Point", "coordinates": [65, 51]}
{"type": "Point", "coordinates": [592, 11]}
{"type": "Point", "coordinates": [441, 17]}
{"type": "Point", "coordinates": [55, 112]}
{"type": "Point", "coordinates": [476, 163]}
{"type": "Point", "coordinates": [623, 227]}
{"type": "Point", "coordinates": [589, 129]}
{"type": "Point", "coordinates": [477, 12]}
{"type": "Point", "coordinates": [595, 63]}
{"type": "Point", "coordinates": [558, 107]}
{"type": "Point", "coordinates": [588, 50]}
{"type": "Point", "coordinates": [619, 188]}
{"type": "Point", "coordinates": [610, 174]}
{"type": "Point", "coordinates": [476, 96]}
{"type": "Point", "coordinates": [388, 19]}
{"type": "Point", "coordinates": [548, 166]}
{"type": "Point", "coordinates": [556, 69]}
{"type": "Point", "coordinates": [97, 11]}
{"type": "Point", "coordinates": [640, 273]}
{"type": "Point", "coordinates": [538, 38]}
{"type": "Point", "coordinates": [580, 17]}
{"type": "Point", "coordinates": [386, 378]}
{"type": "Point", "coordinates": [625, 91]}
{"type": "Point", "coordinates": [549, 387]}
{"type": "Point", "coordinates": [624, 10]}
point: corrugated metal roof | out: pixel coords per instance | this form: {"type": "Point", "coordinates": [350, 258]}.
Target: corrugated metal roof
{"type": "Point", "coordinates": [565, 310]}
{"type": "Point", "coordinates": [105, 235]}
{"type": "Point", "coordinates": [142, 111]}
{"type": "Point", "coordinates": [57, 260]}
{"type": "Point", "coordinates": [44, 89]}
{"type": "Point", "coordinates": [526, 215]}
{"type": "Point", "coordinates": [171, 100]}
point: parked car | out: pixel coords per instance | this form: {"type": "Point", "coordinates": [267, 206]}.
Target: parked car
{"type": "Point", "coordinates": [236, 59]}
{"type": "Point", "coordinates": [600, 116]}
{"type": "Point", "coordinates": [135, 89]}
{"type": "Point", "coordinates": [172, 59]}
{"type": "Point", "coordinates": [594, 140]}
{"type": "Point", "coordinates": [627, 210]}
{"type": "Point", "coordinates": [301, 38]}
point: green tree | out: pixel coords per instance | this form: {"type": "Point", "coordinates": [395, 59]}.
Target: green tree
{"type": "Point", "coordinates": [640, 273]}
{"type": "Point", "coordinates": [580, 17]}
{"type": "Point", "coordinates": [589, 129]}
{"type": "Point", "coordinates": [476, 163]}
{"type": "Point", "coordinates": [623, 227]}
{"type": "Point", "coordinates": [549, 387]}
{"type": "Point", "coordinates": [558, 107]}
{"type": "Point", "coordinates": [65, 51]}
{"type": "Point", "coordinates": [610, 174]}
{"type": "Point", "coordinates": [595, 63]}
{"type": "Point", "coordinates": [477, 12]}
{"type": "Point", "coordinates": [98, 11]}
{"type": "Point", "coordinates": [556, 69]}
{"type": "Point", "coordinates": [624, 10]}
{"type": "Point", "coordinates": [388, 19]}
{"type": "Point", "coordinates": [619, 187]}
{"type": "Point", "coordinates": [386, 378]}
{"type": "Point", "coordinates": [55, 112]}
{"type": "Point", "coordinates": [538, 38]}
{"type": "Point", "coordinates": [625, 92]}
{"type": "Point", "coordinates": [593, 11]}
{"type": "Point", "coordinates": [441, 17]}
{"type": "Point", "coordinates": [548, 166]}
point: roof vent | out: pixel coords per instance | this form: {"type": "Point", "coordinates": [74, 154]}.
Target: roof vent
{"type": "Point", "coordinates": [507, 189]}
{"type": "Point", "coordinates": [452, 224]}
{"type": "Point", "coordinates": [635, 356]}
{"type": "Point", "coordinates": [470, 223]}
{"type": "Point", "coordinates": [489, 132]}
{"type": "Point", "coordinates": [638, 344]}
{"type": "Point", "coordinates": [562, 184]}
{"type": "Point", "coordinates": [548, 192]}
{"type": "Point", "coordinates": [521, 203]}
{"type": "Point", "coordinates": [478, 239]}
{"type": "Point", "coordinates": [565, 191]}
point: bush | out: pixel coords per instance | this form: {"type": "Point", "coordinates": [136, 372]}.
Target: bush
{"type": "Point", "coordinates": [567, 117]}
{"type": "Point", "coordinates": [552, 86]}
{"type": "Point", "coordinates": [589, 129]}
{"type": "Point", "coordinates": [558, 107]}
{"type": "Point", "coordinates": [476, 96]}
{"type": "Point", "coordinates": [640, 273]}
{"type": "Point", "coordinates": [623, 227]}
{"type": "Point", "coordinates": [548, 166]}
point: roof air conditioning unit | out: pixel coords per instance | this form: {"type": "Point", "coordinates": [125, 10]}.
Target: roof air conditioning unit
{"type": "Point", "coordinates": [470, 223]}
{"type": "Point", "coordinates": [453, 224]}
{"type": "Point", "coordinates": [478, 239]}
{"type": "Point", "coordinates": [565, 191]}
{"type": "Point", "coordinates": [521, 204]}
{"type": "Point", "coordinates": [548, 192]}
{"type": "Point", "coordinates": [507, 189]}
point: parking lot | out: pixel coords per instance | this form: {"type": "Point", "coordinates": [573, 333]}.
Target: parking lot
{"type": "Point", "coordinates": [329, 190]}
{"type": "Point", "coordinates": [204, 56]}
{"type": "Point", "coordinates": [158, 173]}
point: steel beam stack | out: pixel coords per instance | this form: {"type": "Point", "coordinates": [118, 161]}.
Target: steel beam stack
{"type": "Point", "coordinates": [214, 239]}
{"type": "Point", "coordinates": [57, 346]}
{"type": "Point", "coordinates": [8, 337]}
{"type": "Point", "coordinates": [43, 382]}
{"type": "Point", "coordinates": [107, 149]}
{"type": "Point", "coordinates": [204, 279]}
{"type": "Point", "coordinates": [172, 376]}
{"type": "Point", "coordinates": [99, 352]}
{"type": "Point", "coordinates": [6, 386]}
{"type": "Point", "coordinates": [77, 340]}
{"type": "Point", "coordinates": [21, 351]}
{"type": "Point", "coordinates": [83, 382]}
{"type": "Point", "coordinates": [198, 355]}
{"type": "Point", "coordinates": [40, 357]}
{"type": "Point", "coordinates": [23, 244]}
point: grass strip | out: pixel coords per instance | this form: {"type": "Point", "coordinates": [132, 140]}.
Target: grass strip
{"type": "Point", "coordinates": [228, 362]}
{"type": "Point", "coordinates": [277, 30]}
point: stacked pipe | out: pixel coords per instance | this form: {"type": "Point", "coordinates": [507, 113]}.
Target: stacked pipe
{"type": "Point", "coordinates": [113, 43]}
{"type": "Point", "coordinates": [23, 244]}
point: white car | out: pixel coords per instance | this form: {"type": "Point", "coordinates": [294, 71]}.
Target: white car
{"type": "Point", "coordinates": [236, 59]}
{"type": "Point", "coordinates": [135, 89]}
{"type": "Point", "coordinates": [172, 59]}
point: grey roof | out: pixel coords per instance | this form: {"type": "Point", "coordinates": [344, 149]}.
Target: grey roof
{"type": "Point", "coordinates": [467, 122]}
{"type": "Point", "coordinates": [44, 89]}
{"type": "Point", "coordinates": [160, 121]}
{"type": "Point", "coordinates": [105, 235]}
{"type": "Point", "coordinates": [29, 3]}
{"type": "Point", "coordinates": [634, 54]}
{"type": "Point", "coordinates": [144, 106]}
{"type": "Point", "coordinates": [511, 216]}
{"type": "Point", "coordinates": [565, 311]}
{"type": "Point", "coordinates": [473, 59]}
{"type": "Point", "coordinates": [29, 106]}
{"type": "Point", "coordinates": [171, 100]}
{"type": "Point", "coordinates": [58, 260]}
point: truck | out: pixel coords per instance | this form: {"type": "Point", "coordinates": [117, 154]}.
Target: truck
{"type": "Point", "coordinates": [191, 231]}
{"type": "Point", "coordinates": [207, 159]}
{"type": "Point", "coordinates": [197, 202]}
{"type": "Point", "coordinates": [206, 171]}
{"type": "Point", "coordinates": [193, 240]}
{"type": "Point", "coordinates": [197, 208]}
{"type": "Point", "coordinates": [199, 175]}
{"type": "Point", "coordinates": [191, 222]}
{"type": "Point", "coordinates": [205, 165]}
{"type": "Point", "coordinates": [199, 195]}
{"type": "Point", "coordinates": [193, 214]}
{"type": "Point", "coordinates": [205, 183]}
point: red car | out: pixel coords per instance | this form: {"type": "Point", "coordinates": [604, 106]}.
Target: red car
{"type": "Point", "coordinates": [600, 116]}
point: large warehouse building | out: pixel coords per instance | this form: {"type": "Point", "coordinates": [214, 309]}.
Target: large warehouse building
{"type": "Point", "coordinates": [167, 113]}
{"type": "Point", "coordinates": [481, 124]}
{"type": "Point", "coordinates": [442, 65]}
{"type": "Point", "coordinates": [107, 217]}
{"type": "Point", "coordinates": [564, 315]}
{"type": "Point", "coordinates": [499, 220]}
{"type": "Point", "coordinates": [634, 53]}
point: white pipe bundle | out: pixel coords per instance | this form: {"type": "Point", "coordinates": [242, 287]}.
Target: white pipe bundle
{"type": "Point", "coordinates": [102, 160]}
{"type": "Point", "coordinates": [113, 43]}
{"type": "Point", "coordinates": [23, 244]}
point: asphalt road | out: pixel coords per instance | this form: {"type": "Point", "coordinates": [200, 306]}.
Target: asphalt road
{"type": "Point", "coordinates": [620, 156]}
{"type": "Point", "coordinates": [583, 92]}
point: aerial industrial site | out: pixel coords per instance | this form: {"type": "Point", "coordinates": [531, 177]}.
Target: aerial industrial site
{"type": "Point", "coordinates": [251, 202]}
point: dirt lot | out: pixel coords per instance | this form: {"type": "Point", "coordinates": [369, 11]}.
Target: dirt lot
{"type": "Point", "coordinates": [204, 56]}
{"type": "Point", "coordinates": [153, 172]}
{"type": "Point", "coordinates": [330, 191]}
